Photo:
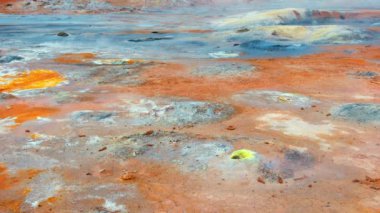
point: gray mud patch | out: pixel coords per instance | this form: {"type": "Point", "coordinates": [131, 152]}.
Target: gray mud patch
{"type": "Point", "coordinates": [116, 72]}
{"type": "Point", "coordinates": [119, 75]}
{"type": "Point", "coordinates": [364, 74]}
{"type": "Point", "coordinates": [87, 116]}
{"type": "Point", "coordinates": [224, 69]}
{"type": "Point", "coordinates": [359, 112]}
{"type": "Point", "coordinates": [186, 151]}
{"type": "Point", "coordinates": [274, 99]}
{"type": "Point", "coordinates": [294, 160]}
{"type": "Point", "coordinates": [147, 112]}
{"type": "Point", "coordinates": [177, 112]}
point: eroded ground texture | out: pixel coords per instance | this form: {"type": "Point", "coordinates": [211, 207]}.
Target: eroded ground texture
{"type": "Point", "coordinates": [189, 106]}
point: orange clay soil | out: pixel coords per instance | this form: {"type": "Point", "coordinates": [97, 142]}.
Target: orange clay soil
{"type": "Point", "coordinates": [329, 71]}
{"type": "Point", "coordinates": [163, 188]}
{"type": "Point", "coordinates": [6, 1]}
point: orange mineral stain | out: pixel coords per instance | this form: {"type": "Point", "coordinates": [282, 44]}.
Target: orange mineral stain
{"type": "Point", "coordinates": [13, 185]}
{"type": "Point", "coordinates": [34, 79]}
{"type": "Point", "coordinates": [23, 112]}
{"type": "Point", "coordinates": [52, 199]}
{"type": "Point", "coordinates": [74, 58]}
{"type": "Point", "coordinates": [4, 177]}
{"type": "Point", "coordinates": [329, 70]}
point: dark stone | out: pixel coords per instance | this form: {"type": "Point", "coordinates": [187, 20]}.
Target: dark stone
{"type": "Point", "coordinates": [62, 34]}
{"type": "Point", "coordinates": [242, 30]}
{"type": "Point", "coordinates": [150, 39]}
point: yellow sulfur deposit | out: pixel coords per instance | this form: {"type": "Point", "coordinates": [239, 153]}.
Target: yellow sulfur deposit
{"type": "Point", "coordinates": [34, 79]}
{"type": "Point", "coordinates": [35, 136]}
{"type": "Point", "coordinates": [243, 154]}
{"type": "Point", "coordinates": [282, 99]}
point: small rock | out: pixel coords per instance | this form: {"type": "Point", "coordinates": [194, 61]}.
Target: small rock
{"type": "Point", "coordinates": [150, 132]}
{"type": "Point", "coordinates": [102, 149]}
{"type": "Point", "coordinates": [62, 34]}
{"type": "Point", "coordinates": [128, 176]}
{"type": "Point", "coordinates": [150, 39]}
{"type": "Point", "coordinates": [300, 178]}
{"type": "Point", "coordinates": [280, 180]}
{"type": "Point", "coordinates": [261, 180]}
{"type": "Point", "coordinates": [231, 128]}
{"type": "Point", "coordinates": [242, 30]}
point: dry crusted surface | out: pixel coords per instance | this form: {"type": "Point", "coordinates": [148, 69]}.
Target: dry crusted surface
{"type": "Point", "coordinates": [91, 135]}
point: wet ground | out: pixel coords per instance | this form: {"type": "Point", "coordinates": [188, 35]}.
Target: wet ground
{"type": "Point", "coordinates": [254, 110]}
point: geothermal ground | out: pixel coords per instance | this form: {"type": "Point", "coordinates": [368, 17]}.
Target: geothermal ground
{"type": "Point", "coordinates": [108, 108]}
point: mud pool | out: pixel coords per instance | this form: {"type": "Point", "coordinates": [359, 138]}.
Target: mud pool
{"type": "Point", "coordinates": [254, 109]}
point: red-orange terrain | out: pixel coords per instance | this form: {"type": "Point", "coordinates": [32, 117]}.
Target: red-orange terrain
{"type": "Point", "coordinates": [189, 110]}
